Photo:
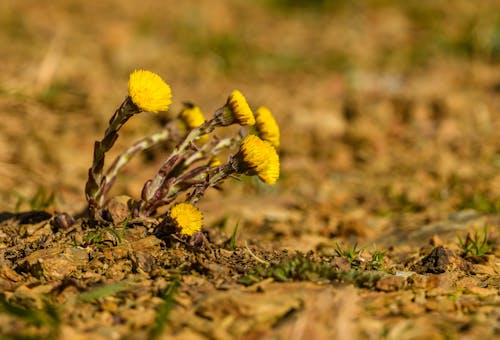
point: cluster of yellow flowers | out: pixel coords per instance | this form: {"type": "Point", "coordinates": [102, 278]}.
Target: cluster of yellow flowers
{"type": "Point", "coordinates": [187, 169]}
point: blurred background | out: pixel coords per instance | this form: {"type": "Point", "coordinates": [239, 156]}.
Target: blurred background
{"type": "Point", "coordinates": [386, 108]}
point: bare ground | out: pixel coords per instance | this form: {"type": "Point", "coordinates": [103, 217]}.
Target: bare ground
{"type": "Point", "coordinates": [390, 171]}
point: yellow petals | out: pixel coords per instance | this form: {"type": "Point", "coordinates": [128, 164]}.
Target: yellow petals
{"type": "Point", "coordinates": [240, 109]}
{"type": "Point", "coordinates": [213, 162]}
{"type": "Point", "coordinates": [266, 126]}
{"type": "Point", "coordinates": [148, 91]}
{"type": "Point", "coordinates": [187, 218]}
{"type": "Point", "coordinates": [192, 116]}
{"type": "Point", "coordinates": [260, 158]}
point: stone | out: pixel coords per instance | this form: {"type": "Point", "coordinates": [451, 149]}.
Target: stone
{"type": "Point", "coordinates": [440, 260]}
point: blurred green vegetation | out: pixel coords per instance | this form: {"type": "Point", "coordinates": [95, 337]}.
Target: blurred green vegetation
{"type": "Point", "coordinates": [433, 30]}
{"type": "Point", "coordinates": [300, 267]}
{"type": "Point", "coordinates": [63, 95]}
{"type": "Point", "coordinates": [406, 34]}
{"type": "Point", "coordinates": [163, 311]}
{"type": "Point", "coordinates": [13, 24]}
{"type": "Point", "coordinates": [47, 320]}
{"type": "Point", "coordinates": [41, 200]}
{"type": "Point", "coordinates": [105, 290]}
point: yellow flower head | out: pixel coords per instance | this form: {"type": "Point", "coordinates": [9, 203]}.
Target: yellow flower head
{"type": "Point", "coordinates": [240, 110]}
{"type": "Point", "coordinates": [236, 110]}
{"type": "Point", "coordinates": [187, 218]}
{"type": "Point", "coordinates": [267, 127]}
{"type": "Point", "coordinates": [192, 116]}
{"type": "Point", "coordinates": [213, 162]}
{"type": "Point", "coordinates": [259, 158]}
{"type": "Point", "coordinates": [148, 91]}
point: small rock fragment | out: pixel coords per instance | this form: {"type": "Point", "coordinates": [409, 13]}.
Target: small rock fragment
{"type": "Point", "coordinates": [440, 260]}
{"type": "Point", "coordinates": [62, 221]}
{"type": "Point", "coordinates": [118, 208]}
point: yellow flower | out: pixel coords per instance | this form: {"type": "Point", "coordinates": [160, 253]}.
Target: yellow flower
{"type": "Point", "coordinates": [192, 116]}
{"type": "Point", "coordinates": [240, 110]}
{"type": "Point", "coordinates": [148, 91]}
{"type": "Point", "coordinates": [187, 218]}
{"type": "Point", "coordinates": [213, 162]}
{"type": "Point", "coordinates": [266, 126]}
{"type": "Point", "coordinates": [259, 158]}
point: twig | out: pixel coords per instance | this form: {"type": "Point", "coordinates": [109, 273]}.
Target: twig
{"type": "Point", "coordinates": [258, 259]}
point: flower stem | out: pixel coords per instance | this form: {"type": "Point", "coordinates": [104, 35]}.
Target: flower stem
{"type": "Point", "coordinates": [152, 188]}
{"type": "Point", "coordinates": [120, 161]}
{"type": "Point", "coordinates": [95, 178]}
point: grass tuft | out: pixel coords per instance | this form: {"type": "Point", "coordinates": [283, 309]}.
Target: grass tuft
{"type": "Point", "coordinates": [476, 244]}
{"type": "Point", "coordinates": [351, 253]}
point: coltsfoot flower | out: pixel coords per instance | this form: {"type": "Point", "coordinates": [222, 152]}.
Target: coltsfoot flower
{"type": "Point", "coordinates": [186, 218]}
{"type": "Point", "coordinates": [258, 157]}
{"type": "Point", "coordinates": [148, 91]}
{"type": "Point", "coordinates": [266, 126]}
{"type": "Point", "coordinates": [214, 162]}
{"type": "Point", "coordinates": [240, 108]}
{"type": "Point", "coordinates": [236, 110]}
{"type": "Point", "coordinates": [192, 116]}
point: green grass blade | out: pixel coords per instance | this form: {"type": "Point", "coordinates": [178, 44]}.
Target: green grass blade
{"type": "Point", "coordinates": [232, 241]}
{"type": "Point", "coordinates": [106, 290]}
{"type": "Point", "coordinates": [164, 311]}
{"type": "Point", "coordinates": [46, 317]}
